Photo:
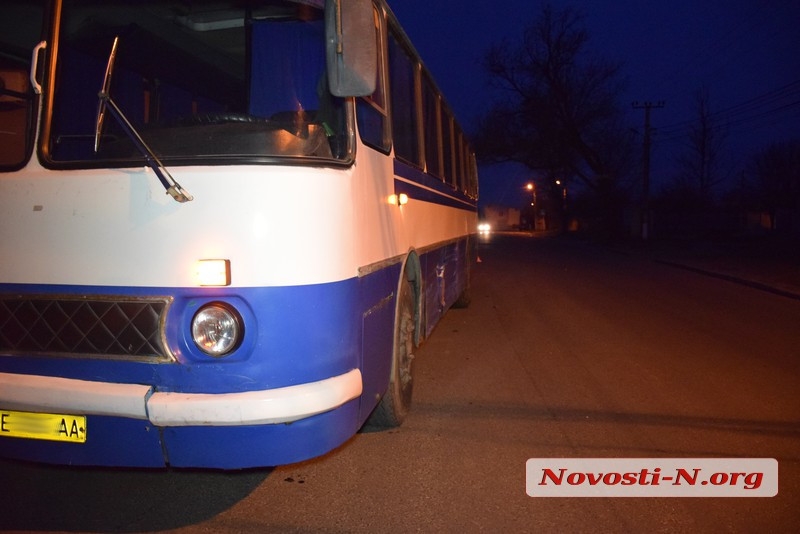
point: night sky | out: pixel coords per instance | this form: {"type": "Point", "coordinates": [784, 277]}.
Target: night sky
{"type": "Point", "coordinates": [745, 52]}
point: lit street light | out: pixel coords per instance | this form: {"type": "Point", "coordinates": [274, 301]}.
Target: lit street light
{"type": "Point", "coordinates": [532, 187]}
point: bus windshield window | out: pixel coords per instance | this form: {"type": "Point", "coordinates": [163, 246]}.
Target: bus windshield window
{"type": "Point", "coordinates": [198, 80]}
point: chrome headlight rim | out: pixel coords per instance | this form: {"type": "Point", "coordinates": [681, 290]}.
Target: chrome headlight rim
{"type": "Point", "coordinates": [217, 329]}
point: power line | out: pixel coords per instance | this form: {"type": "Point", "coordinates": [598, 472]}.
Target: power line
{"type": "Point", "coordinates": [789, 90]}
{"type": "Point", "coordinates": [724, 46]}
{"type": "Point", "coordinates": [751, 111]}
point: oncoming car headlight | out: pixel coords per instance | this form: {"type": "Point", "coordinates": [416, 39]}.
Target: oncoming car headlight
{"type": "Point", "coordinates": [217, 329]}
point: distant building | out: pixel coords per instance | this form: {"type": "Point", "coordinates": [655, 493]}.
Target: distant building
{"type": "Point", "coordinates": [502, 217]}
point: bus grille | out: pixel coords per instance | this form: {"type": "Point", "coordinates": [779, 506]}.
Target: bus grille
{"type": "Point", "coordinates": [118, 328]}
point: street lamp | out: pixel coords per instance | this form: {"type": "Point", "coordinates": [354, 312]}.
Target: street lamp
{"type": "Point", "coordinates": [532, 188]}
{"type": "Point", "coordinates": [563, 191]}
{"type": "Point", "coordinates": [564, 218]}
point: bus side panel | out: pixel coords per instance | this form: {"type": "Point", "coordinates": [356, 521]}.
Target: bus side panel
{"type": "Point", "coordinates": [446, 275]}
{"type": "Point", "coordinates": [378, 304]}
{"type": "Point", "coordinates": [432, 291]}
{"type": "Point", "coordinates": [465, 254]}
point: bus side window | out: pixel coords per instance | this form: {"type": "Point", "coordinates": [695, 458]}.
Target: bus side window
{"type": "Point", "coordinates": [472, 189]}
{"type": "Point", "coordinates": [430, 117]}
{"type": "Point", "coordinates": [15, 104]}
{"type": "Point", "coordinates": [447, 146]}
{"type": "Point", "coordinates": [461, 159]}
{"type": "Point", "coordinates": [371, 110]}
{"type": "Point", "coordinates": [403, 93]}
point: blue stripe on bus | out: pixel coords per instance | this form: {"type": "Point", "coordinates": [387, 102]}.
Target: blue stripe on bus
{"type": "Point", "coordinates": [421, 186]}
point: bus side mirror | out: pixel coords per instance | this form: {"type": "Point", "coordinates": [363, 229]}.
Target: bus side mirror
{"type": "Point", "coordinates": [351, 47]}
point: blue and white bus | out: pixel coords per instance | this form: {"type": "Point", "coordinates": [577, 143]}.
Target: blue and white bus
{"type": "Point", "coordinates": [225, 228]}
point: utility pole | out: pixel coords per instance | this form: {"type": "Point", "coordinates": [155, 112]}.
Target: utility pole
{"type": "Point", "coordinates": [646, 106]}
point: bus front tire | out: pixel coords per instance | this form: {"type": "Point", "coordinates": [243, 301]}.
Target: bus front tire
{"type": "Point", "coordinates": [395, 403]}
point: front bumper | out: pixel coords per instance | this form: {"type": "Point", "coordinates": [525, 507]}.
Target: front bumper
{"type": "Point", "coordinates": [131, 425]}
{"type": "Point", "coordinates": [35, 393]}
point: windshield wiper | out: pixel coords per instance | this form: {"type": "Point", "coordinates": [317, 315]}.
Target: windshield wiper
{"type": "Point", "coordinates": [173, 188]}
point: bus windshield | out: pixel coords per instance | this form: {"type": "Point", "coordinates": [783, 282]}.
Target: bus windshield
{"type": "Point", "coordinates": [198, 80]}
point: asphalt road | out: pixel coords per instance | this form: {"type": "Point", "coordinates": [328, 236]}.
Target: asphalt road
{"type": "Point", "coordinates": [568, 350]}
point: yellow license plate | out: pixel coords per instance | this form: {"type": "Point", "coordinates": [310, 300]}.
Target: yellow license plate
{"type": "Point", "coordinates": [49, 426]}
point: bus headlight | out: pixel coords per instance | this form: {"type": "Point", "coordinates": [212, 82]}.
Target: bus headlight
{"type": "Point", "coordinates": [217, 329]}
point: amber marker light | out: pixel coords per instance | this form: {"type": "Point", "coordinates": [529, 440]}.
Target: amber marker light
{"type": "Point", "coordinates": [398, 200]}
{"type": "Point", "coordinates": [213, 273]}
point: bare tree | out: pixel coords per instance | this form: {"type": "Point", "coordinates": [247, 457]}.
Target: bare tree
{"type": "Point", "coordinates": [700, 168]}
{"type": "Point", "coordinates": [559, 110]}
{"type": "Point", "coordinates": [775, 181]}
